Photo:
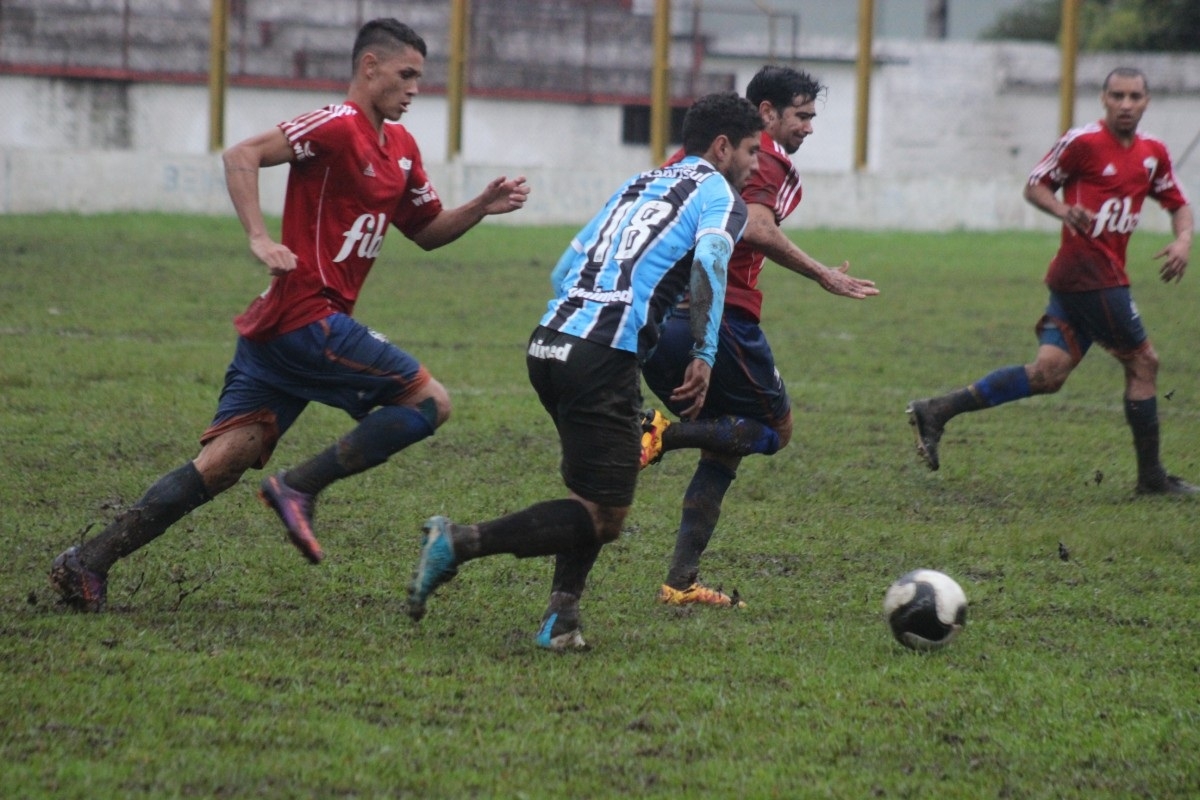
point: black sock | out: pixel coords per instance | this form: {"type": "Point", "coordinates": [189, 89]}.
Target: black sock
{"type": "Point", "coordinates": [169, 499]}
{"type": "Point", "coordinates": [701, 512]}
{"type": "Point", "coordinates": [1142, 416]}
{"type": "Point", "coordinates": [571, 570]}
{"type": "Point", "coordinates": [543, 529]}
{"type": "Point", "coordinates": [957, 402]}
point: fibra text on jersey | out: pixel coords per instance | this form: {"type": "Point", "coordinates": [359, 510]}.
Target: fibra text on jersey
{"type": "Point", "coordinates": [1115, 216]}
{"type": "Point", "coordinates": [367, 232]}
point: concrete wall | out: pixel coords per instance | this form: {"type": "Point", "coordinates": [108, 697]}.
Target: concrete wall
{"type": "Point", "coordinates": [954, 129]}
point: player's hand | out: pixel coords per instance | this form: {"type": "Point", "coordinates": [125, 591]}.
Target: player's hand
{"type": "Point", "coordinates": [278, 258]}
{"type": "Point", "coordinates": [1176, 255]}
{"type": "Point", "coordinates": [1078, 219]}
{"type": "Point", "coordinates": [693, 389]}
{"type": "Point", "coordinates": [835, 280]}
{"type": "Point", "coordinates": [503, 195]}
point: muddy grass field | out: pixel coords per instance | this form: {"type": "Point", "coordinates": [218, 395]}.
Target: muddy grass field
{"type": "Point", "coordinates": [226, 666]}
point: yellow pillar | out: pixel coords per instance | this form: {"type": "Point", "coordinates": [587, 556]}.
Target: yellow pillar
{"type": "Point", "coordinates": [456, 78]}
{"type": "Point", "coordinates": [866, 38]}
{"type": "Point", "coordinates": [660, 90]}
{"type": "Point", "coordinates": [1070, 52]}
{"type": "Point", "coordinates": [218, 46]}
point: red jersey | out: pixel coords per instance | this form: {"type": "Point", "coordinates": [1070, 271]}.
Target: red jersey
{"type": "Point", "coordinates": [343, 191]}
{"type": "Point", "coordinates": [1095, 171]}
{"type": "Point", "coordinates": [775, 184]}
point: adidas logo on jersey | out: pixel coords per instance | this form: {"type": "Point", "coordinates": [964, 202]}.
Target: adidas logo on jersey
{"type": "Point", "coordinates": [1109, 171]}
{"type": "Point", "coordinates": [369, 170]}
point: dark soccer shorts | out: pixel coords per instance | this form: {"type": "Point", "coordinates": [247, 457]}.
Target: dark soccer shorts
{"type": "Point", "coordinates": [594, 395]}
{"type": "Point", "coordinates": [745, 382]}
{"type": "Point", "coordinates": [336, 361]}
{"type": "Point", "coordinates": [1108, 317]}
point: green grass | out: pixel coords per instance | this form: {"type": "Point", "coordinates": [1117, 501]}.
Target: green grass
{"type": "Point", "coordinates": [227, 667]}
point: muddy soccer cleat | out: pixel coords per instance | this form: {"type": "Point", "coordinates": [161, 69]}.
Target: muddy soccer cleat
{"type": "Point", "coordinates": [1170, 484]}
{"type": "Point", "coordinates": [567, 639]}
{"type": "Point", "coordinates": [654, 424]}
{"type": "Point", "coordinates": [928, 429]}
{"type": "Point", "coordinates": [79, 587]}
{"type": "Point", "coordinates": [698, 594]}
{"type": "Point", "coordinates": [436, 566]}
{"type": "Point", "coordinates": [295, 510]}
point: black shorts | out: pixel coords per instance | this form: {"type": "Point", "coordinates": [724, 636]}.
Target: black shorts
{"type": "Point", "coordinates": [593, 394]}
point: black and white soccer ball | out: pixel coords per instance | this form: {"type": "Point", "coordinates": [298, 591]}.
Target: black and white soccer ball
{"type": "Point", "coordinates": [925, 609]}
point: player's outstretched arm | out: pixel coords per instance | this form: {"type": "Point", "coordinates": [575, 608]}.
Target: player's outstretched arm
{"type": "Point", "coordinates": [501, 196]}
{"type": "Point", "coordinates": [1179, 250]}
{"type": "Point", "coordinates": [765, 236]}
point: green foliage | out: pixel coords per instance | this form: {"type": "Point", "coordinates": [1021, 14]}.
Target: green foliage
{"type": "Point", "coordinates": [228, 667]}
{"type": "Point", "coordinates": [1137, 25]}
{"type": "Point", "coordinates": [1033, 20]}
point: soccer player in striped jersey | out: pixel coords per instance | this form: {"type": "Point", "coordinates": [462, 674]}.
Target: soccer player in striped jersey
{"type": "Point", "coordinates": [353, 173]}
{"type": "Point", "coordinates": [747, 409]}
{"type": "Point", "coordinates": [1105, 171]}
{"type": "Point", "coordinates": [666, 231]}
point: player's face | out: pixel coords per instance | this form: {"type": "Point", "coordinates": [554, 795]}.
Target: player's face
{"type": "Point", "coordinates": [393, 82]}
{"type": "Point", "coordinates": [1125, 101]}
{"type": "Point", "coordinates": [742, 160]}
{"type": "Point", "coordinates": [790, 125]}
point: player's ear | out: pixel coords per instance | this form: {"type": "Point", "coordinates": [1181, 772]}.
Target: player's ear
{"type": "Point", "coordinates": [722, 147]}
{"type": "Point", "coordinates": [369, 64]}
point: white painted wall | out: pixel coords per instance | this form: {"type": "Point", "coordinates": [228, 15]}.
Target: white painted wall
{"type": "Point", "coordinates": [954, 129]}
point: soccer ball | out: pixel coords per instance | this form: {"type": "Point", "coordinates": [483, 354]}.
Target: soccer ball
{"type": "Point", "coordinates": [925, 609]}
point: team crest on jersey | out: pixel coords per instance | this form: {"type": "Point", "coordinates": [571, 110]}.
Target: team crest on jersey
{"type": "Point", "coordinates": [1151, 164]}
{"type": "Point", "coordinates": [405, 165]}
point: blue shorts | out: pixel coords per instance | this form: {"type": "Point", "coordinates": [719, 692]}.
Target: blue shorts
{"type": "Point", "coordinates": [745, 382]}
{"type": "Point", "coordinates": [1108, 317]}
{"type": "Point", "coordinates": [336, 361]}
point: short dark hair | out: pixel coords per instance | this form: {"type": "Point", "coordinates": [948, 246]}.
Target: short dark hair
{"type": "Point", "coordinates": [780, 86]}
{"type": "Point", "coordinates": [720, 113]}
{"type": "Point", "coordinates": [1126, 72]}
{"type": "Point", "coordinates": [385, 35]}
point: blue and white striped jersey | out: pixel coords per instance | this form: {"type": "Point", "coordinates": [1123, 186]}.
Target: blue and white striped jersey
{"type": "Point", "coordinates": [633, 261]}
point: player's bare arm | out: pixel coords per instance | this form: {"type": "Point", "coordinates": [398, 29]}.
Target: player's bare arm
{"type": "Point", "coordinates": [764, 235]}
{"type": "Point", "coordinates": [502, 196]}
{"type": "Point", "coordinates": [1041, 196]}
{"type": "Point", "coordinates": [1176, 254]}
{"type": "Point", "coordinates": [242, 164]}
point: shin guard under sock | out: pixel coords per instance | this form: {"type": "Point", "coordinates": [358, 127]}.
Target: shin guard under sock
{"type": "Point", "coordinates": [381, 434]}
{"type": "Point", "coordinates": [728, 435]}
{"type": "Point", "coordinates": [1142, 416]}
{"type": "Point", "coordinates": [1003, 386]}
{"type": "Point", "coordinates": [543, 529]}
{"type": "Point", "coordinates": [170, 498]}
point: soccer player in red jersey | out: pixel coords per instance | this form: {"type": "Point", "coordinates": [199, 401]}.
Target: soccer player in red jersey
{"type": "Point", "coordinates": [746, 409]}
{"type": "Point", "coordinates": [1105, 171]}
{"type": "Point", "coordinates": [353, 173]}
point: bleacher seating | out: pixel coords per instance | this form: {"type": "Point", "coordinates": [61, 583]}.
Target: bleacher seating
{"type": "Point", "coordinates": [561, 47]}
